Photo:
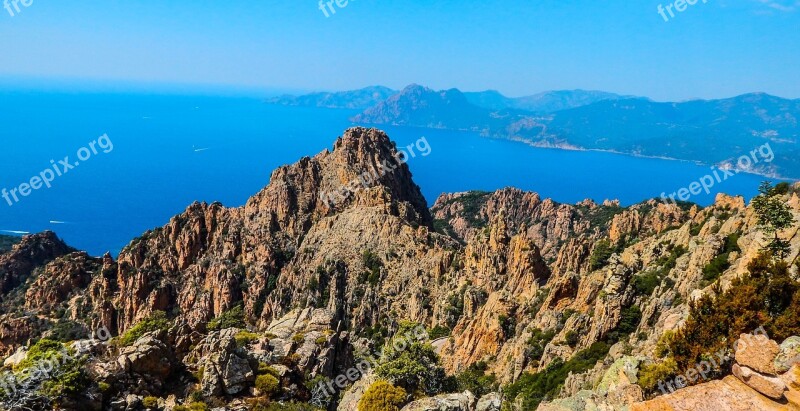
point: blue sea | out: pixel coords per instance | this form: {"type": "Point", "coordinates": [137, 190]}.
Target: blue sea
{"type": "Point", "coordinates": [171, 150]}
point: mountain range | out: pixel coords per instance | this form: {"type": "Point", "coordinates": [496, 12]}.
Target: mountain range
{"type": "Point", "coordinates": [713, 132]}
{"type": "Point", "coordinates": [485, 301]}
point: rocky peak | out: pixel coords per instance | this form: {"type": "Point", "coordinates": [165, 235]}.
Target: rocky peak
{"type": "Point", "coordinates": [34, 250]}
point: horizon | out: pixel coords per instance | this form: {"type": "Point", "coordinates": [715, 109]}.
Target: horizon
{"type": "Point", "coordinates": [81, 85]}
{"type": "Point", "coordinates": [517, 49]}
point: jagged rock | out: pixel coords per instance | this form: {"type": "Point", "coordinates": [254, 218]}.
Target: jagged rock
{"type": "Point", "coordinates": [489, 402]}
{"type": "Point", "coordinates": [226, 369]}
{"type": "Point", "coordinates": [352, 396]}
{"type": "Point", "coordinates": [148, 356]}
{"type": "Point", "coordinates": [446, 402]}
{"type": "Point", "coordinates": [772, 387]}
{"type": "Point", "coordinates": [758, 353]}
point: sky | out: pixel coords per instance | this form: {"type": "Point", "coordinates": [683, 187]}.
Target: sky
{"type": "Point", "coordinates": [715, 49]}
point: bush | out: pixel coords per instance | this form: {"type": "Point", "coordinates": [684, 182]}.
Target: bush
{"type": "Point", "coordinates": [155, 322]}
{"type": "Point", "coordinates": [532, 389]}
{"type": "Point", "coordinates": [373, 264]}
{"type": "Point", "coordinates": [44, 350]}
{"type": "Point", "coordinates": [537, 343]}
{"type": "Point", "coordinates": [767, 296]}
{"type": "Point", "coordinates": [267, 384]}
{"type": "Point", "coordinates": [382, 396]}
{"type": "Point", "coordinates": [439, 331]}
{"type": "Point", "coordinates": [414, 368]}
{"type": "Point", "coordinates": [476, 380]}
{"type": "Point", "coordinates": [233, 318]}
{"type": "Point", "coordinates": [600, 255]}
{"type": "Point", "coordinates": [572, 338]}
{"type": "Point", "coordinates": [150, 402]}
{"type": "Point", "coordinates": [651, 374]}
{"type": "Point", "coordinates": [244, 338]}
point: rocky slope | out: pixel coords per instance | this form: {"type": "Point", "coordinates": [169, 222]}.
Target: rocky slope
{"type": "Point", "coordinates": [296, 288]}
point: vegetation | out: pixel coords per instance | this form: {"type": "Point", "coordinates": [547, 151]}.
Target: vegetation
{"type": "Point", "coordinates": [44, 350]}
{"type": "Point", "coordinates": [439, 331]}
{"type": "Point", "coordinates": [373, 264]}
{"type": "Point", "coordinates": [645, 283]}
{"type": "Point", "coordinates": [233, 318]}
{"type": "Point", "coordinates": [533, 388]}
{"type": "Point", "coordinates": [600, 255]}
{"type": "Point", "coordinates": [651, 374]}
{"type": "Point", "coordinates": [473, 202]}
{"type": "Point", "coordinates": [476, 380]}
{"type": "Point", "coordinates": [155, 322]}
{"type": "Point", "coordinates": [538, 342]}
{"type": "Point", "coordinates": [714, 269]}
{"type": "Point", "coordinates": [244, 338]}
{"type": "Point", "coordinates": [267, 385]}
{"type": "Point", "coordinates": [382, 396]}
{"type": "Point", "coordinates": [767, 296]}
{"type": "Point", "coordinates": [150, 402]}
{"type": "Point", "coordinates": [415, 368]}
{"type": "Point", "coordinates": [773, 215]}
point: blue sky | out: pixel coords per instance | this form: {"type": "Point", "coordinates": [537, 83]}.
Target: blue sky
{"type": "Point", "coordinates": [717, 49]}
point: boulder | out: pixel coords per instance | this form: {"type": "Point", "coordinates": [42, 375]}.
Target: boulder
{"type": "Point", "coordinates": [147, 356]}
{"type": "Point", "coordinates": [446, 402]}
{"type": "Point", "coordinates": [758, 353]}
{"type": "Point", "coordinates": [788, 356]}
{"type": "Point", "coordinates": [772, 387]}
{"type": "Point", "coordinates": [489, 402]}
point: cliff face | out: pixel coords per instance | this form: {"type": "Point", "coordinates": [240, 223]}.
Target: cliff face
{"type": "Point", "coordinates": [319, 275]}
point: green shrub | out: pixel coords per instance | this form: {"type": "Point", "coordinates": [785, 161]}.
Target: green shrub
{"type": "Point", "coordinates": [71, 380]}
{"type": "Point", "coordinates": [150, 402]}
{"type": "Point", "coordinates": [373, 265]}
{"type": "Point", "coordinates": [714, 269]}
{"type": "Point", "coordinates": [382, 396]}
{"type": "Point", "coordinates": [267, 384]}
{"type": "Point", "coordinates": [600, 255]}
{"type": "Point", "coordinates": [572, 338]}
{"type": "Point", "coordinates": [439, 331]}
{"type": "Point", "coordinates": [244, 338]}
{"type": "Point", "coordinates": [414, 368]}
{"type": "Point", "coordinates": [651, 374]}
{"type": "Point", "coordinates": [537, 343]}
{"type": "Point", "coordinates": [532, 389]}
{"type": "Point", "coordinates": [155, 322]}
{"type": "Point", "coordinates": [476, 380]}
{"type": "Point", "coordinates": [44, 350]}
{"type": "Point", "coordinates": [233, 318]}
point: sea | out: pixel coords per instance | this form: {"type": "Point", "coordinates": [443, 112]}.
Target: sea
{"type": "Point", "coordinates": [144, 157]}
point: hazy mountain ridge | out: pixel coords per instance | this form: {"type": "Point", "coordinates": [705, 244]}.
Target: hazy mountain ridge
{"type": "Point", "coordinates": [706, 131]}
{"type": "Point", "coordinates": [355, 99]}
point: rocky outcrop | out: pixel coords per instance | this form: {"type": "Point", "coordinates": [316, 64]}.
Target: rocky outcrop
{"type": "Point", "coordinates": [447, 402]}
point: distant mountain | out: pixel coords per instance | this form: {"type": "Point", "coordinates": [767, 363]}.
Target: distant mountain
{"type": "Point", "coordinates": [420, 106]}
{"type": "Point", "coordinates": [546, 102]}
{"type": "Point", "coordinates": [707, 131]}
{"type": "Point", "coordinates": [356, 99]}
{"type": "Point", "coordinates": [710, 131]}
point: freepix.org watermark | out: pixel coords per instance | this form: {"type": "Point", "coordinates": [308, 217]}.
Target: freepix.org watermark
{"type": "Point", "coordinates": [678, 5]}
{"type": "Point", "coordinates": [366, 179]}
{"type": "Point", "coordinates": [13, 6]}
{"type": "Point", "coordinates": [705, 183]}
{"type": "Point", "coordinates": [57, 169]}
{"type": "Point", "coordinates": [327, 6]}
